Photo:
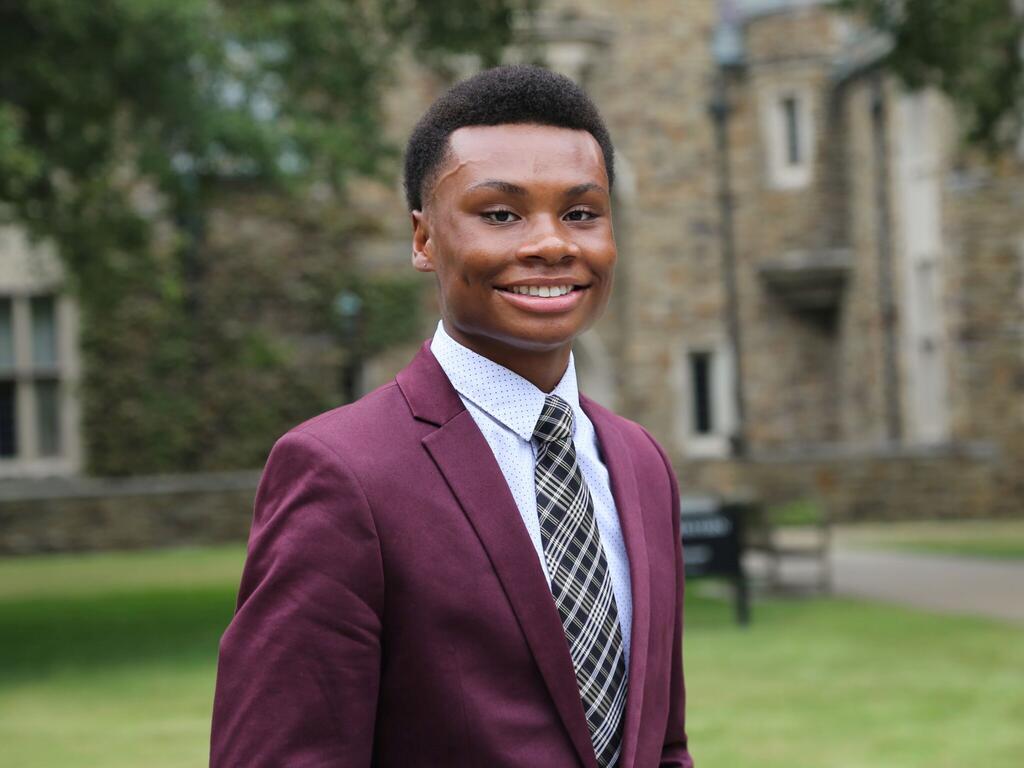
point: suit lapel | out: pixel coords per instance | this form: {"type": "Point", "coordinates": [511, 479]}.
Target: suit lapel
{"type": "Point", "coordinates": [620, 467]}
{"type": "Point", "coordinates": [464, 458]}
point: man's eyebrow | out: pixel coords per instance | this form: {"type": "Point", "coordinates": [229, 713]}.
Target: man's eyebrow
{"type": "Point", "coordinates": [579, 189]}
{"type": "Point", "coordinates": [502, 186]}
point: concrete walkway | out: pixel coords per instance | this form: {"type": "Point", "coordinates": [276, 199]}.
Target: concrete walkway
{"type": "Point", "coordinates": [946, 584]}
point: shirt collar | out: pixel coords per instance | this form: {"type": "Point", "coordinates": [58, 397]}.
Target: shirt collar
{"type": "Point", "coordinates": [505, 396]}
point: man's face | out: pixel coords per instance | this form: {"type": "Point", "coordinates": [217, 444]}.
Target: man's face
{"type": "Point", "coordinates": [517, 211]}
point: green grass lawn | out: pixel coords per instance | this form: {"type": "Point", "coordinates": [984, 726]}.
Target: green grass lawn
{"type": "Point", "coordinates": [994, 539]}
{"type": "Point", "coordinates": [109, 660]}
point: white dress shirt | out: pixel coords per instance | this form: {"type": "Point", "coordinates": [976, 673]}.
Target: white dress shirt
{"type": "Point", "coordinates": [505, 407]}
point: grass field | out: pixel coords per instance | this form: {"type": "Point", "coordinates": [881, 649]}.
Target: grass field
{"type": "Point", "coordinates": [109, 661]}
{"type": "Point", "coordinates": [994, 539]}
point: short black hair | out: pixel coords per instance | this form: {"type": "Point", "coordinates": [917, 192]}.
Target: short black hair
{"type": "Point", "coordinates": [511, 94]}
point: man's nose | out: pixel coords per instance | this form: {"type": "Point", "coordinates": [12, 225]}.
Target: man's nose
{"type": "Point", "coordinates": [549, 242]}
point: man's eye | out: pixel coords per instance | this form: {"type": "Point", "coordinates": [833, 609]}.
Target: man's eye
{"type": "Point", "coordinates": [580, 214]}
{"type": "Point", "coordinates": [500, 217]}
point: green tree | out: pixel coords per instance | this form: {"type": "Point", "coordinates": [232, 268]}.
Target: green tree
{"type": "Point", "coordinates": [971, 49]}
{"type": "Point", "coordinates": [121, 122]}
{"type": "Point", "coordinates": [103, 100]}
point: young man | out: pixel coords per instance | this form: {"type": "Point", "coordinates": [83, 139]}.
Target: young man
{"type": "Point", "coordinates": [472, 565]}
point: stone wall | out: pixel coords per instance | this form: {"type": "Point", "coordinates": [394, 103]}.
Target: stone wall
{"type": "Point", "coordinates": [861, 391]}
{"type": "Point", "coordinates": [789, 357]}
{"type": "Point", "coordinates": [816, 393]}
{"type": "Point", "coordinates": [988, 204]}
{"type": "Point", "coordinates": [653, 88]}
{"type": "Point", "coordinates": [84, 514]}
{"type": "Point", "coordinates": [91, 514]}
{"type": "Point", "coordinates": [815, 383]}
{"type": "Point", "coordinates": [869, 485]}
{"type": "Point", "coordinates": [648, 68]}
{"type": "Point", "coordinates": [987, 208]}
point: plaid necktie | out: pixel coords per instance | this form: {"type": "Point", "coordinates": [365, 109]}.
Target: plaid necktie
{"type": "Point", "coordinates": [580, 582]}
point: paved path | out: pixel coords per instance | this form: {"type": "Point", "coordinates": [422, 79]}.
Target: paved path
{"type": "Point", "coordinates": [933, 582]}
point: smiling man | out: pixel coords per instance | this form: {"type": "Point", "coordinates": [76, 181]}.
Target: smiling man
{"type": "Point", "coordinates": [473, 565]}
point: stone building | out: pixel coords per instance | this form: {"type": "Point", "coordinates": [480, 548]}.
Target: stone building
{"type": "Point", "coordinates": [879, 268]}
{"type": "Point", "coordinates": [820, 291]}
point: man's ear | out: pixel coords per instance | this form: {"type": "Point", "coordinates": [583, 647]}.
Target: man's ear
{"type": "Point", "coordinates": [422, 247]}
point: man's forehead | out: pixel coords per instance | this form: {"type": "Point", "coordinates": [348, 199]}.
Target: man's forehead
{"type": "Point", "coordinates": [525, 150]}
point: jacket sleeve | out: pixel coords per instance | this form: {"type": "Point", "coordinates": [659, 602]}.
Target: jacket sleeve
{"type": "Point", "coordinates": [675, 752]}
{"type": "Point", "coordinates": [299, 666]}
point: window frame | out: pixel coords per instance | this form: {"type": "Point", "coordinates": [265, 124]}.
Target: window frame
{"type": "Point", "coordinates": [716, 443]}
{"type": "Point", "coordinates": [777, 137]}
{"type": "Point", "coordinates": [25, 374]}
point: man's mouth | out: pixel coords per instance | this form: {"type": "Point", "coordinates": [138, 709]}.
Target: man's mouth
{"type": "Point", "coordinates": [544, 291]}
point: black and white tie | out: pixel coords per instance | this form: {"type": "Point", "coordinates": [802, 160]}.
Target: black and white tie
{"type": "Point", "coordinates": [580, 582]}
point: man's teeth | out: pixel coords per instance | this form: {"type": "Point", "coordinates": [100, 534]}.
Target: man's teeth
{"type": "Point", "coordinates": [544, 291]}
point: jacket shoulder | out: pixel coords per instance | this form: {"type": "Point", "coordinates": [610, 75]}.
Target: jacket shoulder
{"type": "Point", "coordinates": [360, 424]}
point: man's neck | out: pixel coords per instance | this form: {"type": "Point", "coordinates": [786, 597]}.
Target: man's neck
{"type": "Point", "coordinates": [542, 368]}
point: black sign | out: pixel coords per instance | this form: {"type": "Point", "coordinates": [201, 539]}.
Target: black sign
{"type": "Point", "coordinates": [713, 546]}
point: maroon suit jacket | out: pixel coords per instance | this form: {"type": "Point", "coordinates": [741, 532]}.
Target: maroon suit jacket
{"type": "Point", "coordinates": [393, 611]}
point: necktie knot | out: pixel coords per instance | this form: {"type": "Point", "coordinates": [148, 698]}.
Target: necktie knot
{"type": "Point", "coordinates": [555, 422]}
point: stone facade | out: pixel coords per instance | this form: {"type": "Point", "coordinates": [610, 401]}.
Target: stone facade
{"type": "Point", "coordinates": [904, 390]}
{"type": "Point", "coordinates": [879, 265]}
{"type": "Point", "coordinates": [648, 67]}
{"type": "Point", "coordinates": [878, 262]}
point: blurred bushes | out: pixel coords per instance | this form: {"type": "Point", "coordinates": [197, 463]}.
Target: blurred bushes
{"type": "Point", "coordinates": [129, 131]}
{"type": "Point", "coordinates": [209, 385]}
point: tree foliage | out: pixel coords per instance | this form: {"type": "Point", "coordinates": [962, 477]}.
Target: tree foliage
{"type": "Point", "coordinates": [971, 49]}
{"type": "Point", "coordinates": [97, 97]}
{"type": "Point", "coordinates": [119, 122]}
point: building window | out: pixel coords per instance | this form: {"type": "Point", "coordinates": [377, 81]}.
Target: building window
{"type": "Point", "coordinates": [48, 417]}
{"type": "Point", "coordinates": [791, 126]}
{"type": "Point", "coordinates": [707, 412]}
{"type": "Point", "coordinates": [8, 383]}
{"type": "Point", "coordinates": [44, 331]}
{"type": "Point", "coordinates": [6, 337]}
{"type": "Point", "coordinates": [700, 393]}
{"type": "Point", "coordinates": [39, 362]}
{"type": "Point", "coordinates": [8, 431]}
{"type": "Point", "coordinates": [32, 379]}
{"type": "Point", "coordinates": [787, 128]}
